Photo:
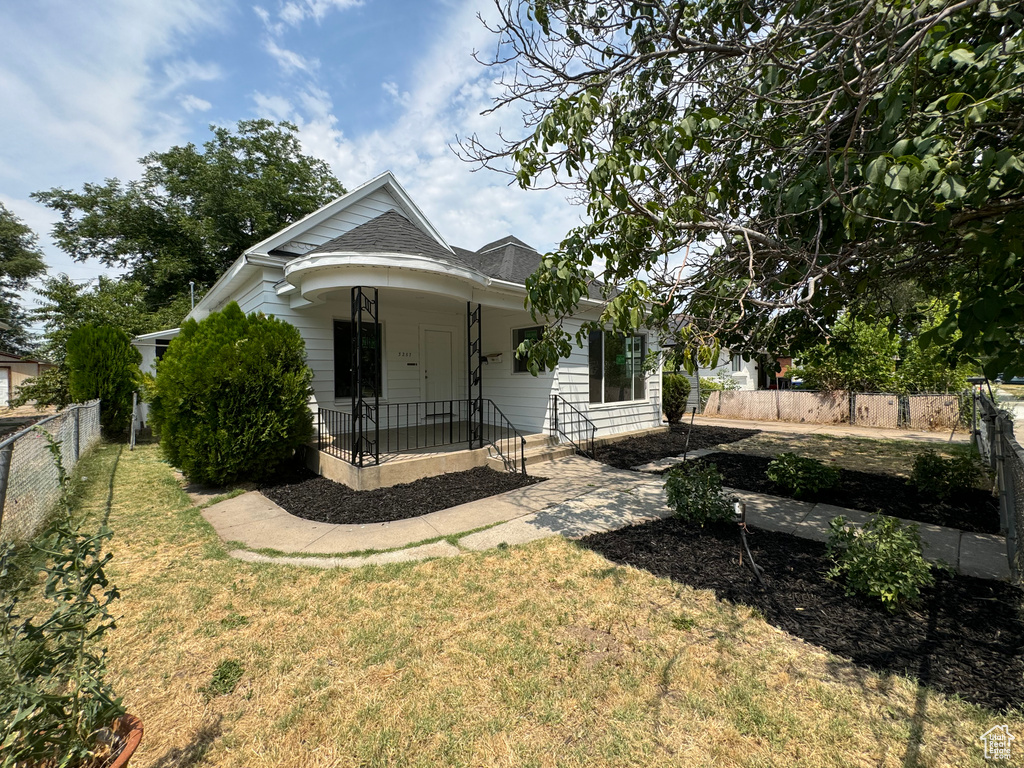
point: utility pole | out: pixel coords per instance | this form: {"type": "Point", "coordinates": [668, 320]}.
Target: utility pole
{"type": "Point", "coordinates": [192, 292]}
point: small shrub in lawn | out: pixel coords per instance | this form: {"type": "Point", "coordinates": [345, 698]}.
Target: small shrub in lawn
{"type": "Point", "coordinates": [882, 560]}
{"type": "Point", "coordinates": [676, 390]}
{"type": "Point", "coordinates": [695, 492]}
{"type": "Point", "coordinates": [938, 477]}
{"type": "Point", "coordinates": [225, 678]}
{"type": "Point", "coordinates": [800, 476]}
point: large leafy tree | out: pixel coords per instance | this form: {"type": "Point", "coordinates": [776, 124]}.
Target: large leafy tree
{"type": "Point", "coordinates": [750, 169]}
{"type": "Point", "coordinates": [66, 306]}
{"type": "Point", "coordinates": [20, 261]}
{"type": "Point", "coordinates": [194, 210]}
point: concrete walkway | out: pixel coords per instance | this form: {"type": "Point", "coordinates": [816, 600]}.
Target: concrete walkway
{"type": "Point", "coordinates": [580, 497]}
{"type": "Point", "coordinates": [837, 430]}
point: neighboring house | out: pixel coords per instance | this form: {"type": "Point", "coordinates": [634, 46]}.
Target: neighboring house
{"type": "Point", "coordinates": [730, 366]}
{"type": "Point", "coordinates": [437, 327]}
{"type": "Point", "coordinates": [15, 371]}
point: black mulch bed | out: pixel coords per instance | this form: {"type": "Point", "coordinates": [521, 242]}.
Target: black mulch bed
{"type": "Point", "coordinates": [637, 451]}
{"type": "Point", "coordinates": [971, 510]}
{"type": "Point", "coordinates": [307, 495]}
{"type": "Point", "coordinates": [965, 637]}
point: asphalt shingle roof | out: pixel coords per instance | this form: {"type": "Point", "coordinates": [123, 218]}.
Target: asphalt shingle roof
{"type": "Point", "coordinates": [390, 232]}
{"type": "Point", "coordinates": [508, 259]}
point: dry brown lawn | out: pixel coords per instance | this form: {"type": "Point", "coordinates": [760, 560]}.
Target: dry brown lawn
{"type": "Point", "coordinates": [541, 655]}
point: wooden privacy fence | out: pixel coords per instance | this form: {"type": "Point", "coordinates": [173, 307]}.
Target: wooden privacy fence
{"type": "Point", "coordinates": [935, 411]}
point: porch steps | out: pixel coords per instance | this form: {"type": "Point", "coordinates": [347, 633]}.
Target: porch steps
{"type": "Point", "coordinates": [539, 448]}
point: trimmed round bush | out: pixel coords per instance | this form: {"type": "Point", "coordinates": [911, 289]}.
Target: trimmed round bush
{"type": "Point", "coordinates": [694, 491]}
{"type": "Point", "coordinates": [231, 397]}
{"type": "Point", "coordinates": [676, 390]}
{"type": "Point", "coordinates": [102, 363]}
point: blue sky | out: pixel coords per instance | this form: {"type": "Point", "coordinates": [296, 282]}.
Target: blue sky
{"type": "Point", "coordinates": [88, 88]}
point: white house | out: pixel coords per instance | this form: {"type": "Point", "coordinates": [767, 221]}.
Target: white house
{"type": "Point", "coordinates": [436, 327]}
{"type": "Point", "coordinates": [732, 367]}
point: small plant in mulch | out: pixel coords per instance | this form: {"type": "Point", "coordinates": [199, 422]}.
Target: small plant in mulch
{"type": "Point", "coordinates": [881, 560]}
{"type": "Point", "coordinates": [225, 678]}
{"type": "Point", "coordinates": [940, 478]}
{"type": "Point", "coordinates": [695, 492]}
{"type": "Point", "coordinates": [800, 476]}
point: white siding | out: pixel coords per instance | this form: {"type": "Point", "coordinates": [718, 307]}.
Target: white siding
{"type": "Point", "coordinates": [574, 386]}
{"type": "Point", "coordinates": [524, 399]}
{"type": "Point", "coordinates": [745, 378]}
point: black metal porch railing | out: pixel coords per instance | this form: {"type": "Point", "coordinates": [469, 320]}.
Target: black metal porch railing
{"type": "Point", "coordinates": [569, 422]}
{"type": "Point", "coordinates": [421, 426]}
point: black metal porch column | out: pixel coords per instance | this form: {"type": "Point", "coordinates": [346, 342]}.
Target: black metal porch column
{"type": "Point", "coordinates": [365, 411]}
{"type": "Point", "coordinates": [474, 369]}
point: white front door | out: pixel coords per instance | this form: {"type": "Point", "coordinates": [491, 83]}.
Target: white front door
{"type": "Point", "coordinates": [437, 366]}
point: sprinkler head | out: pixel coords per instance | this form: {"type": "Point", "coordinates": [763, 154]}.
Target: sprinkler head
{"type": "Point", "coordinates": [739, 511]}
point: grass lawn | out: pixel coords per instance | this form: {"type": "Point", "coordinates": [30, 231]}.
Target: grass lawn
{"type": "Point", "coordinates": [894, 457]}
{"type": "Point", "coordinates": [542, 655]}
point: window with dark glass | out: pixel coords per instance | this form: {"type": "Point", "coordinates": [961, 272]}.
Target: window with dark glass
{"type": "Point", "coordinates": [737, 363]}
{"type": "Point", "coordinates": [370, 357]}
{"type": "Point", "coordinates": [617, 367]}
{"type": "Point", "coordinates": [519, 335]}
{"type": "Point", "coordinates": [161, 347]}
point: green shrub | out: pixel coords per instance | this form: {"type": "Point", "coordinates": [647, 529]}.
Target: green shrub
{"type": "Point", "coordinates": [230, 398]}
{"type": "Point", "coordinates": [800, 476]}
{"type": "Point", "coordinates": [938, 477]}
{"type": "Point", "coordinates": [695, 492]}
{"type": "Point", "coordinates": [102, 363]}
{"type": "Point", "coordinates": [675, 391]}
{"type": "Point", "coordinates": [881, 560]}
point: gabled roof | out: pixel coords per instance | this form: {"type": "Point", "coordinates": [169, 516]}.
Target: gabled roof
{"type": "Point", "coordinates": [385, 180]}
{"type": "Point", "coordinates": [390, 232]}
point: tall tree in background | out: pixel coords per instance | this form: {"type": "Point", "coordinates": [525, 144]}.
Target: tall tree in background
{"type": "Point", "coordinates": [67, 306]}
{"type": "Point", "coordinates": [194, 211]}
{"type": "Point", "coordinates": [751, 166]}
{"type": "Point", "coordinates": [20, 260]}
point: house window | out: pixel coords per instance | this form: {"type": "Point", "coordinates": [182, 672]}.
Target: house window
{"type": "Point", "coordinates": [519, 335]}
{"type": "Point", "coordinates": [737, 363]}
{"type": "Point", "coordinates": [344, 373]}
{"type": "Point", "coordinates": [161, 347]}
{"type": "Point", "coordinates": [617, 367]}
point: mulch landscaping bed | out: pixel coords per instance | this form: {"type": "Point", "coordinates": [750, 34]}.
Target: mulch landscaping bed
{"type": "Point", "coordinates": [965, 637]}
{"type": "Point", "coordinates": [637, 451]}
{"type": "Point", "coordinates": [307, 495]}
{"type": "Point", "coordinates": [970, 510]}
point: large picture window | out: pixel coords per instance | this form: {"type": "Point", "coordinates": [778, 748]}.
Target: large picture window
{"type": "Point", "coordinates": [519, 335]}
{"type": "Point", "coordinates": [344, 372]}
{"type": "Point", "coordinates": [617, 367]}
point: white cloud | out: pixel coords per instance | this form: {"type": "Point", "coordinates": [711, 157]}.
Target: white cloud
{"type": "Point", "coordinates": [294, 12]}
{"type": "Point", "coordinates": [83, 88]}
{"type": "Point", "coordinates": [191, 103]}
{"type": "Point", "coordinates": [448, 92]}
{"type": "Point", "coordinates": [289, 61]}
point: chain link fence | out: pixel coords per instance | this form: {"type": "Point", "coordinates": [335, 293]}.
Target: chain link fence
{"type": "Point", "coordinates": [926, 411]}
{"type": "Point", "coordinates": [29, 478]}
{"type": "Point", "coordinates": [999, 448]}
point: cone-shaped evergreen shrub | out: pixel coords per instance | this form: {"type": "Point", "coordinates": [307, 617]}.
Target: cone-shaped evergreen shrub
{"type": "Point", "coordinates": [676, 391]}
{"type": "Point", "coordinates": [102, 363]}
{"type": "Point", "coordinates": [230, 399]}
